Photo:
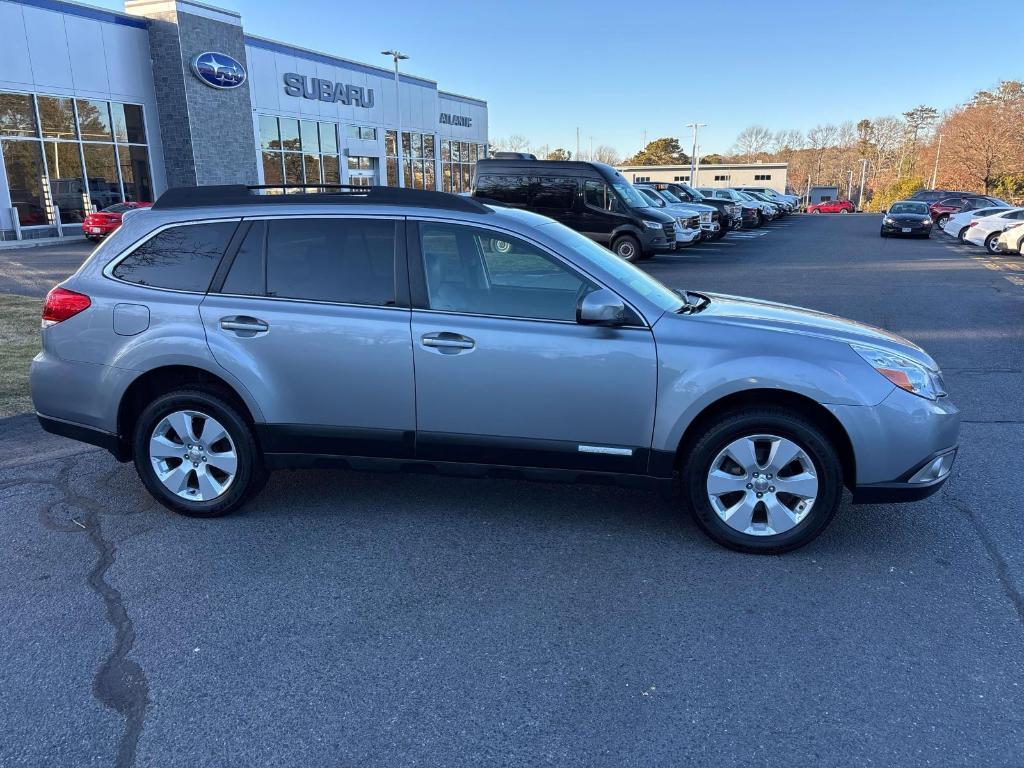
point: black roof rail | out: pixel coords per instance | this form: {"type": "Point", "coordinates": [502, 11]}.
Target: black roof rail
{"type": "Point", "coordinates": [324, 194]}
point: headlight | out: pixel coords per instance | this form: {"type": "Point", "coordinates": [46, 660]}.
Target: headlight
{"type": "Point", "coordinates": [904, 373]}
{"type": "Point", "coordinates": [652, 224]}
{"type": "Point", "coordinates": [887, 220]}
{"type": "Point", "coordinates": [926, 220]}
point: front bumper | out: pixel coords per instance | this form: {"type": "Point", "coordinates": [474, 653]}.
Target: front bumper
{"type": "Point", "coordinates": [896, 442]}
{"type": "Point", "coordinates": [915, 229]}
{"type": "Point", "coordinates": [685, 237]}
{"type": "Point", "coordinates": [919, 483]}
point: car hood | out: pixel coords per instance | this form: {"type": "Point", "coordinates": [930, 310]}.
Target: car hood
{"type": "Point", "coordinates": [785, 318]}
{"type": "Point", "coordinates": [914, 217]}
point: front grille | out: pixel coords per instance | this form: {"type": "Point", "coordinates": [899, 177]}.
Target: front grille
{"type": "Point", "coordinates": [715, 216]}
{"type": "Point", "coordinates": [670, 232]}
{"type": "Point", "coordinates": [691, 222]}
{"type": "Point", "coordinates": [705, 217]}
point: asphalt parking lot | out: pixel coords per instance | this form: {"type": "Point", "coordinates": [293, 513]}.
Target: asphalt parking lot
{"type": "Point", "coordinates": [350, 619]}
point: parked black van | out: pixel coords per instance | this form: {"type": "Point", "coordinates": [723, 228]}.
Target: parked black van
{"type": "Point", "coordinates": [592, 198]}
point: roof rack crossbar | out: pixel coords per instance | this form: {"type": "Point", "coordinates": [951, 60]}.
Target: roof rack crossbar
{"type": "Point", "coordinates": [322, 194]}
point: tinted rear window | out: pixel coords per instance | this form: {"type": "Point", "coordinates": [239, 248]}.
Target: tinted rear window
{"type": "Point", "coordinates": [504, 188]}
{"type": "Point", "coordinates": [348, 261]}
{"type": "Point", "coordinates": [183, 257]}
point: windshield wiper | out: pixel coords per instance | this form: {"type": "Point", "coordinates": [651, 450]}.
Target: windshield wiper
{"type": "Point", "coordinates": [692, 302]}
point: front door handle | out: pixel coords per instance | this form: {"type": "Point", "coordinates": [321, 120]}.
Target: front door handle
{"type": "Point", "coordinates": [243, 325]}
{"type": "Point", "coordinates": [447, 343]}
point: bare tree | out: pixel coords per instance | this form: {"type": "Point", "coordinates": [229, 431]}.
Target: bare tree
{"type": "Point", "coordinates": [605, 154]}
{"type": "Point", "coordinates": [753, 141]}
{"type": "Point", "coordinates": [979, 146]}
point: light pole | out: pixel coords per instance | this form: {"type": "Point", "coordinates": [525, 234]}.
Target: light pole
{"type": "Point", "coordinates": [860, 195]}
{"type": "Point", "coordinates": [398, 56]}
{"type": "Point", "coordinates": [849, 185]}
{"type": "Point", "coordinates": [935, 170]}
{"type": "Point", "coordinates": [694, 163]}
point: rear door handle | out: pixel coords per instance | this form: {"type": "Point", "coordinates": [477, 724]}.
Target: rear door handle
{"type": "Point", "coordinates": [447, 343]}
{"type": "Point", "coordinates": [244, 325]}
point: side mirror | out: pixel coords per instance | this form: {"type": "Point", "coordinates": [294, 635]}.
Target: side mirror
{"type": "Point", "coordinates": [601, 307]}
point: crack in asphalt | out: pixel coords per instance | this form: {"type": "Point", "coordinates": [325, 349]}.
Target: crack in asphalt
{"type": "Point", "coordinates": [1002, 569]}
{"type": "Point", "coordinates": [119, 682]}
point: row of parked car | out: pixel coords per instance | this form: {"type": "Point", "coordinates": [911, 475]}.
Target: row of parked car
{"type": "Point", "coordinates": [983, 220]}
{"type": "Point", "coordinates": [635, 221]}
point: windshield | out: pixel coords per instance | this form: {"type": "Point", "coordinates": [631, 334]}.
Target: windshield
{"type": "Point", "coordinates": [912, 208]}
{"type": "Point", "coordinates": [669, 196]}
{"type": "Point", "coordinates": [630, 196]}
{"type": "Point", "coordinates": [651, 197]}
{"type": "Point", "coordinates": [590, 252]}
{"type": "Point", "coordinates": [743, 196]}
{"type": "Point", "coordinates": [697, 196]}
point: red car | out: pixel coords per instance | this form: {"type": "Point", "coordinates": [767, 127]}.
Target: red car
{"type": "Point", "coordinates": [832, 206]}
{"type": "Point", "coordinates": [98, 225]}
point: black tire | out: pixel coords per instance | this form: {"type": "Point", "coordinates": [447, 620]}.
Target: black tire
{"type": "Point", "coordinates": [250, 475]}
{"type": "Point", "coordinates": [990, 242]}
{"type": "Point", "coordinates": [815, 211]}
{"type": "Point", "coordinates": [627, 248]}
{"type": "Point", "coordinates": [962, 235]}
{"type": "Point", "coordinates": [755, 421]}
{"type": "Point", "coordinates": [941, 221]}
{"type": "Point", "coordinates": [882, 233]}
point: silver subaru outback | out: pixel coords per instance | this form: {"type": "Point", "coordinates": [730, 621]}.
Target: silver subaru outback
{"type": "Point", "coordinates": [226, 333]}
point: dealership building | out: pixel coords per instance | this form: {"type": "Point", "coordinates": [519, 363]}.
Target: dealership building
{"type": "Point", "coordinates": [98, 107]}
{"type": "Point", "coordinates": [772, 175]}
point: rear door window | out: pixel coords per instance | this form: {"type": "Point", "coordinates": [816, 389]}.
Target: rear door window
{"type": "Point", "coordinates": [346, 261]}
{"type": "Point", "coordinates": [182, 258]}
{"type": "Point", "coordinates": [554, 193]}
{"type": "Point", "coordinates": [508, 189]}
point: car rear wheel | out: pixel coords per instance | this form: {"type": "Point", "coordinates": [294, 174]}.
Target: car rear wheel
{"type": "Point", "coordinates": [962, 235]}
{"type": "Point", "coordinates": [992, 244]}
{"type": "Point", "coordinates": [843, 210]}
{"type": "Point", "coordinates": [941, 221]}
{"type": "Point", "coordinates": [627, 248]}
{"type": "Point", "coordinates": [815, 211]}
{"type": "Point", "coordinates": [196, 454]}
{"type": "Point", "coordinates": [762, 480]}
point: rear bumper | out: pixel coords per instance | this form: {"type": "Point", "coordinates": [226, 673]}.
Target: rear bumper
{"type": "Point", "coordinates": [84, 434]}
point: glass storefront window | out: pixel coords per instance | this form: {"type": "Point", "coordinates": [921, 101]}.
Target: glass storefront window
{"type": "Point", "coordinates": [332, 169]}
{"type": "Point", "coordinates": [101, 171]}
{"type": "Point", "coordinates": [129, 125]}
{"type": "Point", "coordinates": [272, 173]}
{"type": "Point", "coordinates": [270, 134]}
{"type": "Point", "coordinates": [93, 120]}
{"type": "Point", "coordinates": [312, 166]}
{"type": "Point", "coordinates": [293, 168]}
{"type": "Point", "coordinates": [17, 115]}
{"type": "Point", "coordinates": [290, 135]}
{"type": "Point", "coordinates": [57, 116]}
{"type": "Point", "coordinates": [392, 180]}
{"type": "Point", "coordinates": [329, 138]}
{"type": "Point", "coordinates": [310, 139]}
{"type": "Point", "coordinates": [50, 173]}
{"type": "Point", "coordinates": [391, 143]}
{"type": "Point", "coordinates": [458, 159]}
{"type": "Point", "coordinates": [24, 166]}
{"type": "Point", "coordinates": [67, 183]}
{"type": "Point", "coordinates": [135, 174]}
{"type": "Point", "coordinates": [416, 142]}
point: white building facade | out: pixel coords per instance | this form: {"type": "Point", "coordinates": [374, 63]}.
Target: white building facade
{"type": "Point", "coordinates": [771, 175]}
{"type": "Point", "coordinates": [98, 107]}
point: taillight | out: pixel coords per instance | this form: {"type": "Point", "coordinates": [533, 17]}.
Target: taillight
{"type": "Point", "coordinates": [61, 304]}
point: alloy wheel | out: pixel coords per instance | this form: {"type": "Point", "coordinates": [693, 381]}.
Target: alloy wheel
{"type": "Point", "coordinates": [193, 455]}
{"type": "Point", "coordinates": [762, 485]}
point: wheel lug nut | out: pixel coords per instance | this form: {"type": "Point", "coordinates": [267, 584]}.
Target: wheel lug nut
{"type": "Point", "coordinates": [772, 488]}
{"type": "Point", "coordinates": [750, 485]}
{"type": "Point", "coordinates": [195, 464]}
{"type": "Point", "coordinates": [760, 495]}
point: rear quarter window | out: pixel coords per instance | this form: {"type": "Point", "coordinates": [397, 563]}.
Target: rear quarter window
{"type": "Point", "coordinates": [182, 258]}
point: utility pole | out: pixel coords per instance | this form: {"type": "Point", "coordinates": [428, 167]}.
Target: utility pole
{"type": "Point", "coordinates": [935, 170]}
{"type": "Point", "coordinates": [849, 186]}
{"type": "Point", "coordinates": [577, 142]}
{"type": "Point", "coordinates": [591, 158]}
{"type": "Point", "coordinates": [398, 56]}
{"type": "Point", "coordinates": [860, 195]}
{"type": "Point", "coordinates": [694, 163]}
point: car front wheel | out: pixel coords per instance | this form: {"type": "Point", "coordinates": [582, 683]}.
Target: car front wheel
{"type": "Point", "coordinates": [992, 243]}
{"type": "Point", "coordinates": [762, 480]}
{"type": "Point", "coordinates": [627, 248]}
{"type": "Point", "coordinates": [941, 221]}
{"type": "Point", "coordinates": [196, 453]}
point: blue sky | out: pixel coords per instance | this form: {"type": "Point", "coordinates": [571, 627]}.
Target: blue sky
{"type": "Point", "coordinates": [617, 69]}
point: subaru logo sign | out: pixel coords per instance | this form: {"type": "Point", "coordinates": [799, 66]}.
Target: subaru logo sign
{"type": "Point", "coordinates": [218, 70]}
